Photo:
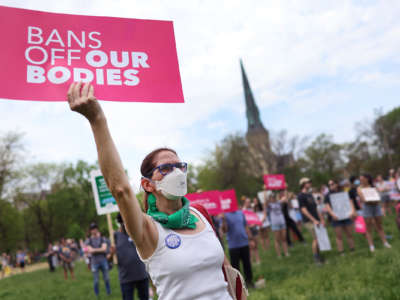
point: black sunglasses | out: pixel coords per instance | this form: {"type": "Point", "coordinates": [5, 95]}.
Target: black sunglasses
{"type": "Point", "coordinates": [165, 169]}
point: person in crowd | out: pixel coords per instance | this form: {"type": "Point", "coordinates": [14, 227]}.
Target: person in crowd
{"type": "Point", "coordinates": [372, 213]}
{"type": "Point", "coordinates": [131, 270]}
{"type": "Point", "coordinates": [290, 223]}
{"type": "Point", "coordinates": [340, 226]}
{"type": "Point", "coordinates": [353, 195]}
{"type": "Point", "coordinates": [310, 215]}
{"type": "Point", "coordinates": [21, 259]}
{"type": "Point", "coordinates": [56, 250]}
{"type": "Point", "coordinates": [217, 222]}
{"type": "Point", "coordinates": [392, 175]}
{"type": "Point", "coordinates": [49, 254]}
{"type": "Point", "coordinates": [261, 212]}
{"type": "Point", "coordinates": [384, 190]}
{"type": "Point", "coordinates": [4, 264]}
{"type": "Point", "coordinates": [238, 235]}
{"type": "Point", "coordinates": [278, 225]}
{"type": "Point", "coordinates": [319, 200]}
{"type": "Point", "coordinates": [97, 247]}
{"type": "Point", "coordinates": [86, 255]}
{"type": "Point", "coordinates": [254, 229]}
{"type": "Point", "coordinates": [66, 257]}
{"type": "Point", "coordinates": [398, 215]}
{"type": "Point", "coordinates": [168, 237]}
{"type": "Point", "coordinates": [296, 208]}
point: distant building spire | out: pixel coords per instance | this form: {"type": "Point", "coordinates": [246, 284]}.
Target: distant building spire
{"type": "Point", "coordinates": [252, 112]}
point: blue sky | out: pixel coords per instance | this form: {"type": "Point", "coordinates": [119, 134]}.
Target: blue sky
{"type": "Point", "coordinates": [314, 66]}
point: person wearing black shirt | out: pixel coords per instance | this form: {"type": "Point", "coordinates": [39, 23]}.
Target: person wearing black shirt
{"type": "Point", "coordinates": [353, 194]}
{"type": "Point", "coordinates": [131, 270]}
{"type": "Point", "coordinates": [290, 223]}
{"type": "Point", "coordinates": [310, 215]}
{"type": "Point", "coordinates": [339, 225]}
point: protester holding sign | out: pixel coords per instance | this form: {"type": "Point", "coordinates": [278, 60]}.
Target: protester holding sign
{"type": "Point", "coordinates": [169, 236]}
{"type": "Point", "coordinates": [290, 223]}
{"type": "Point", "coordinates": [310, 214]}
{"type": "Point", "coordinates": [340, 225]}
{"type": "Point", "coordinates": [278, 225]}
{"type": "Point", "coordinates": [372, 213]}
{"type": "Point", "coordinates": [261, 212]}
{"type": "Point", "coordinates": [355, 199]}
{"type": "Point", "coordinates": [255, 233]}
{"type": "Point", "coordinates": [383, 188]}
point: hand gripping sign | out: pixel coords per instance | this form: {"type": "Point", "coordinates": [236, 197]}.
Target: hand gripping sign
{"type": "Point", "coordinates": [125, 59]}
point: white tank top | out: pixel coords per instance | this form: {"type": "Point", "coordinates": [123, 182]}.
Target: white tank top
{"type": "Point", "coordinates": [188, 267]}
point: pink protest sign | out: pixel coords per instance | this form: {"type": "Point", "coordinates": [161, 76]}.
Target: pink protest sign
{"type": "Point", "coordinates": [125, 59]}
{"type": "Point", "coordinates": [228, 201]}
{"type": "Point", "coordinates": [251, 217]}
{"type": "Point", "coordinates": [209, 200]}
{"type": "Point", "coordinates": [275, 182]}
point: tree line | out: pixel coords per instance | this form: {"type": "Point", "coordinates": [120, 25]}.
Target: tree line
{"type": "Point", "coordinates": [42, 202]}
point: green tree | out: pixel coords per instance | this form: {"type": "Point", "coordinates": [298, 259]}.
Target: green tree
{"type": "Point", "coordinates": [228, 167]}
{"type": "Point", "coordinates": [11, 227]}
{"type": "Point", "coordinates": [11, 149]}
{"type": "Point", "coordinates": [387, 132]}
{"type": "Point", "coordinates": [323, 159]}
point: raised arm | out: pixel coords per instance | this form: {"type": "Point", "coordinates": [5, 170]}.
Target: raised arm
{"type": "Point", "coordinates": [82, 100]}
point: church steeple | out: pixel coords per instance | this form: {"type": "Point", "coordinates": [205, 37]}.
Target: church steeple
{"type": "Point", "coordinates": [252, 112]}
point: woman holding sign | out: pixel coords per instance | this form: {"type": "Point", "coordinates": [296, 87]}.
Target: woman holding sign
{"type": "Point", "coordinates": [340, 225]}
{"type": "Point", "coordinates": [176, 242]}
{"type": "Point", "coordinates": [371, 210]}
{"type": "Point", "coordinates": [278, 225]}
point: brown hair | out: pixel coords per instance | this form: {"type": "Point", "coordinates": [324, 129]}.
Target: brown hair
{"type": "Point", "coordinates": [147, 167]}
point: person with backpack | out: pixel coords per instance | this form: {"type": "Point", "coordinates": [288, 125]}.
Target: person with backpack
{"type": "Point", "coordinates": [175, 241]}
{"type": "Point", "coordinates": [372, 213]}
{"type": "Point", "coordinates": [97, 247]}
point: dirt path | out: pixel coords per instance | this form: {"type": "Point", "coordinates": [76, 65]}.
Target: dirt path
{"type": "Point", "coordinates": [28, 269]}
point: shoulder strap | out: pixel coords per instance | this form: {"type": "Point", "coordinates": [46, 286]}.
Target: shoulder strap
{"type": "Point", "coordinates": [238, 287]}
{"type": "Point", "coordinates": [205, 214]}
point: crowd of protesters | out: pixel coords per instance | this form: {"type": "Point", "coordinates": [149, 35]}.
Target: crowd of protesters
{"type": "Point", "coordinates": [287, 215]}
{"type": "Point", "coordinates": [282, 215]}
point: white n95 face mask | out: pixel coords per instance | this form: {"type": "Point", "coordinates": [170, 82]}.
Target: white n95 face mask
{"type": "Point", "coordinates": [174, 185]}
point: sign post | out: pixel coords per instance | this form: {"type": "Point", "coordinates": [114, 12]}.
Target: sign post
{"type": "Point", "coordinates": [105, 202]}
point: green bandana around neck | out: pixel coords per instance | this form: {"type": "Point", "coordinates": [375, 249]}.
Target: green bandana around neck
{"type": "Point", "coordinates": [178, 220]}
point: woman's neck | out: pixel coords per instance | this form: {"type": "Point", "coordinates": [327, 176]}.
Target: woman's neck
{"type": "Point", "coordinates": [168, 206]}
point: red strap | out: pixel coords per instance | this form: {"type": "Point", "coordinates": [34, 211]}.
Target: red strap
{"type": "Point", "coordinates": [205, 214]}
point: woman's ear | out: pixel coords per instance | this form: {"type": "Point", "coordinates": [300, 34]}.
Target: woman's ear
{"type": "Point", "coordinates": [147, 185]}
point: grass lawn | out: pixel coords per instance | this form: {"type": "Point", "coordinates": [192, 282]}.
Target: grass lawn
{"type": "Point", "coordinates": [357, 275]}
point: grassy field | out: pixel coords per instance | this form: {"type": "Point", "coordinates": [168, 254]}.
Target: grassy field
{"type": "Point", "coordinates": [357, 275]}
